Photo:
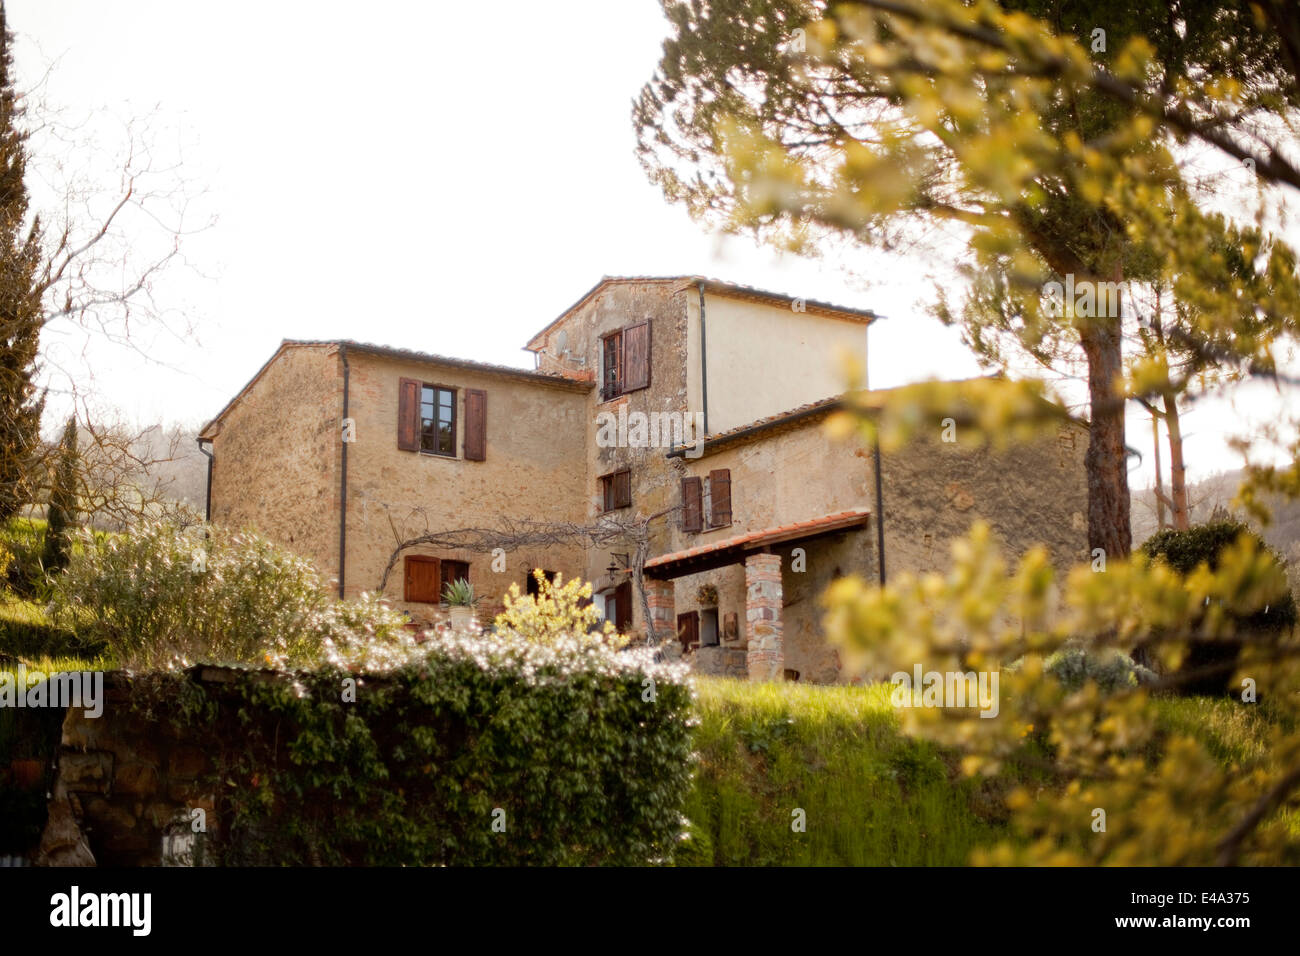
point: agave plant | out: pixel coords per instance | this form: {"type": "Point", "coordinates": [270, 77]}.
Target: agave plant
{"type": "Point", "coordinates": [459, 593]}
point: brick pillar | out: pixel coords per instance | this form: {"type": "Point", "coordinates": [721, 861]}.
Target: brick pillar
{"type": "Point", "coordinates": [766, 653]}
{"type": "Point", "coordinates": [662, 626]}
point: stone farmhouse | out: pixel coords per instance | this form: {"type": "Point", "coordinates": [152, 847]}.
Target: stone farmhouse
{"type": "Point", "coordinates": [695, 403]}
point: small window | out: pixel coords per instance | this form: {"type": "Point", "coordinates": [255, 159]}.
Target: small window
{"type": "Point", "coordinates": [625, 361]}
{"type": "Point", "coordinates": [534, 589]}
{"type": "Point", "coordinates": [611, 375]}
{"type": "Point", "coordinates": [454, 571]}
{"type": "Point", "coordinates": [616, 490]}
{"type": "Point", "coordinates": [422, 584]}
{"type": "Point", "coordinates": [438, 420]}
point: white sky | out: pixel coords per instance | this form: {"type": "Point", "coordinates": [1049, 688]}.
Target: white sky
{"type": "Point", "coordinates": [382, 172]}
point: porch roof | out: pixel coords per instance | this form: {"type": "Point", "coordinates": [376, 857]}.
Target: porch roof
{"type": "Point", "coordinates": [732, 550]}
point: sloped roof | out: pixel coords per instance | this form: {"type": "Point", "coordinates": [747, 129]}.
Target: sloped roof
{"type": "Point", "coordinates": [717, 287]}
{"type": "Point", "coordinates": [445, 361]}
{"type": "Point", "coordinates": [718, 553]}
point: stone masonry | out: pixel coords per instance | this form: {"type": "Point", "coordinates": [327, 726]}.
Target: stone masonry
{"type": "Point", "coordinates": [659, 595]}
{"type": "Point", "coordinates": [766, 654]}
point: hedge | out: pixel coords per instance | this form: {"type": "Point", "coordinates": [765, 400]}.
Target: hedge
{"type": "Point", "coordinates": [483, 750]}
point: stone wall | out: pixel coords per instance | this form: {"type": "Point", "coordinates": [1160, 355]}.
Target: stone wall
{"type": "Point", "coordinates": [275, 464]}
{"type": "Point", "coordinates": [654, 476]}
{"type": "Point", "coordinates": [534, 469]}
{"type": "Point", "coordinates": [278, 461]}
{"type": "Point", "coordinates": [127, 788]}
{"type": "Point", "coordinates": [1031, 493]}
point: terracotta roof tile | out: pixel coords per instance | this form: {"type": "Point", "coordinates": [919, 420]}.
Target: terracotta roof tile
{"type": "Point", "coordinates": [785, 532]}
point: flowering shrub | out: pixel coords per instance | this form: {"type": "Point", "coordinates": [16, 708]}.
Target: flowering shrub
{"type": "Point", "coordinates": [160, 595]}
{"type": "Point", "coordinates": [477, 749]}
{"type": "Point", "coordinates": [558, 611]}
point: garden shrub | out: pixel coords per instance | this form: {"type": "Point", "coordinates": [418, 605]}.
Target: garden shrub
{"type": "Point", "coordinates": [558, 611]}
{"type": "Point", "coordinates": [578, 752]}
{"type": "Point", "coordinates": [161, 595]}
{"type": "Point", "coordinates": [1184, 551]}
{"type": "Point", "coordinates": [1110, 670]}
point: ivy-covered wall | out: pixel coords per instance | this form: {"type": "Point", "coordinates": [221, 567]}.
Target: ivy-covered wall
{"type": "Point", "coordinates": [491, 754]}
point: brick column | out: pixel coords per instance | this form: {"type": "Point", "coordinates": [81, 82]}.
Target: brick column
{"type": "Point", "coordinates": [662, 626]}
{"type": "Point", "coordinates": [766, 653]}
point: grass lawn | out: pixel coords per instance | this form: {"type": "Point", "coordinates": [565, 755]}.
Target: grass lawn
{"type": "Point", "coordinates": [871, 796]}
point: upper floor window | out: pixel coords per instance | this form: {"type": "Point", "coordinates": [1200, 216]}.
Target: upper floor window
{"type": "Point", "coordinates": [616, 490]}
{"type": "Point", "coordinates": [711, 509]}
{"type": "Point", "coordinates": [625, 361]}
{"type": "Point", "coordinates": [428, 419]}
{"type": "Point", "coordinates": [438, 420]}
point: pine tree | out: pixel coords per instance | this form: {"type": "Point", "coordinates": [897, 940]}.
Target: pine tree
{"type": "Point", "coordinates": [63, 501]}
{"type": "Point", "coordinates": [20, 302]}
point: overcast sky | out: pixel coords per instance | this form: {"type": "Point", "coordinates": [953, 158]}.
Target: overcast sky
{"type": "Point", "coordinates": [386, 173]}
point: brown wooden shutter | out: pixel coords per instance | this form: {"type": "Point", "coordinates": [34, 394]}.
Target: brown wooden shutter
{"type": "Point", "coordinates": [688, 629]}
{"type": "Point", "coordinates": [475, 424]}
{"type": "Point", "coordinates": [719, 497]}
{"type": "Point", "coordinates": [623, 605]}
{"type": "Point", "coordinates": [692, 504]}
{"type": "Point", "coordinates": [622, 489]}
{"type": "Point", "coordinates": [636, 357]}
{"type": "Point", "coordinates": [422, 580]}
{"type": "Point", "coordinates": [408, 414]}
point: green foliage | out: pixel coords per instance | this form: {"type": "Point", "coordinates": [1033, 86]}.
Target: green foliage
{"type": "Point", "coordinates": [24, 539]}
{"type": "Point", "coordinates": [161, 596]}
{"type": "Point", "coordinates": [27, 631]}
{"type": "Point", "coordinates": [1201, 547]}
{"type": "Point", "coordinates": [1110, 670]}
{"type": "Point", "coordinates": [871, 796]}
{"type": "Point", "coordinates": [586, 750]}
{"type": "Point", "coordinates": [1173, 795]}
{"type": "Point", "coordinates": [556, 613]}
{"type": "Point", "coordinates": [21, 314]}
{"type": "Point", "coordinates": [62, 517]}
{"type": "Point", "coordinates": [459, 593]}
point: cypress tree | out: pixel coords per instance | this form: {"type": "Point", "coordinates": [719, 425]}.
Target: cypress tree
{"type": "Point", "coordinates": [62, 515]}
{"type": "Point", "coordinates": [20, 302]}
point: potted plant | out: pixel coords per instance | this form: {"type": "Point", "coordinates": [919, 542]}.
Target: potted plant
{"type": "Point", "coordinates": [459, 595]}
{"type": "Point", "coordinates": [707, 595]}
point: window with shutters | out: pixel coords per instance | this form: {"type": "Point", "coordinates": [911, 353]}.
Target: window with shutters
{"type": "Point", "coordinates": [438, 420]}
{"type": "Point", "coordinates": [428, 420]}
{"type": "Point", "coordinates": [719, 498]}
{"type": "Point", "coordinates": [692, 504]}
{"type": "Point", "coordinates": [625, 361]}
{"type": "Point", "coordinates": [422, 579]}
{"type": "Point", "coordinates": [616, 490]}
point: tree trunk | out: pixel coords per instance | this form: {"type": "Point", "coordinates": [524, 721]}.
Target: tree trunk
{"type": "Point", "coordinates": [1177, 469]}
{"type": "Point", "coordinates": [1106, 461]}
{"type": "Point", "coordinates": [1160, 482]}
